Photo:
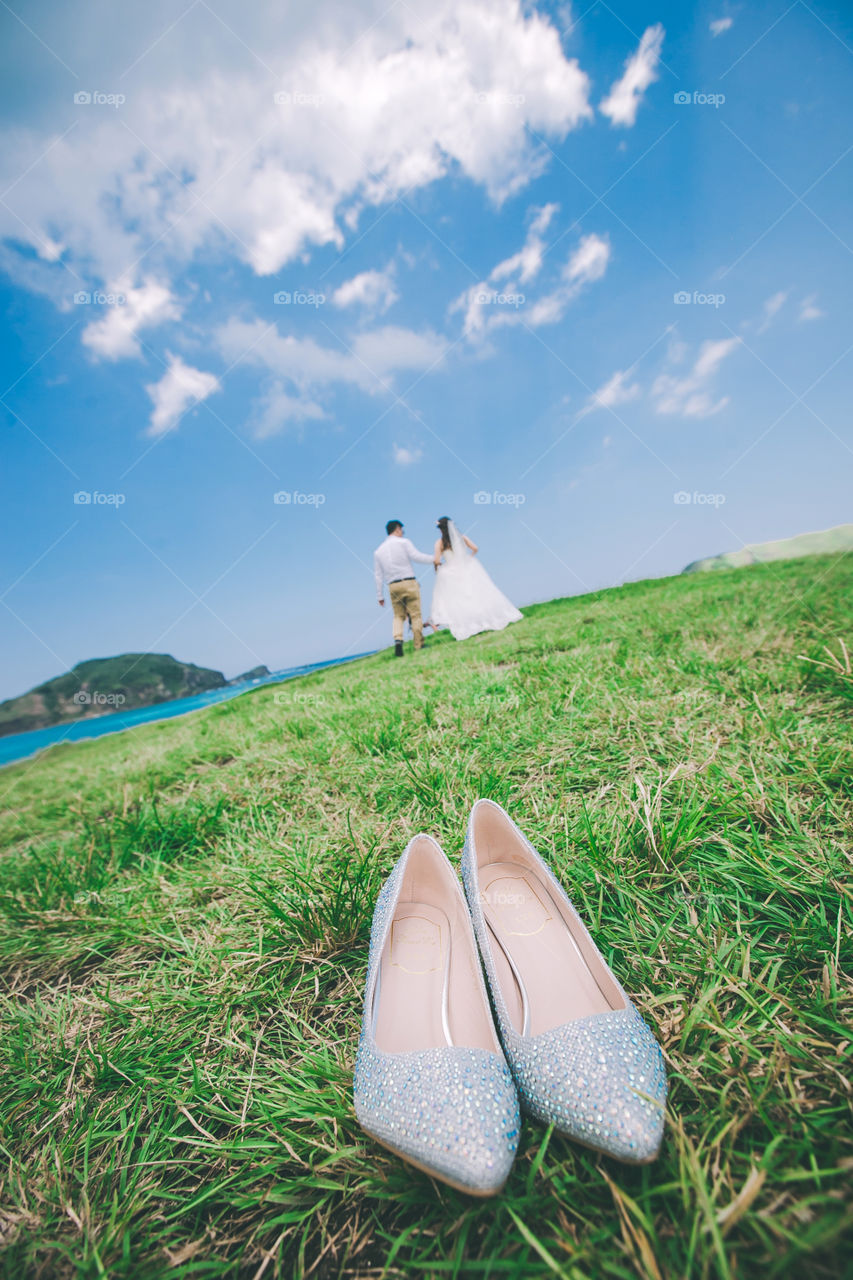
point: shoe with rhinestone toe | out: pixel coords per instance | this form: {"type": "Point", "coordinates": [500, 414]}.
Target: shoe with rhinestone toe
{"type": "Point", "coordinates": [431, 1081]}
{"type": "Point", "coordinates": [582, 1056]}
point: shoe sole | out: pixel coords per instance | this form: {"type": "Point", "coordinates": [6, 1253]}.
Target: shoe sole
{"type": "Point", "coordinates": [487, 1195]}
{"type": "Point", "coordinates": [433, 1173]}
{"type": "Point", "coordinates": [598, 1151]}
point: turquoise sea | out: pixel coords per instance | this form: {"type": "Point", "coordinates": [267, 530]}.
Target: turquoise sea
{"type": "Point", "coordinates": [19, 746]}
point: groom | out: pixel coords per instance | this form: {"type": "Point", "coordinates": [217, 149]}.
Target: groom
{"type": "Point", "coordinates": [392, 563]}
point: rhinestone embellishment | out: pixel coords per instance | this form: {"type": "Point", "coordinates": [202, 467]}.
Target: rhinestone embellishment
{"type": "Point", "coordinates": [601, 1079]}
{"type": "Point", "coordinates": [452, 1110]}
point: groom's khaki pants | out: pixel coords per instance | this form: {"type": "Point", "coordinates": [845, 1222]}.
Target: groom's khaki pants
{"type": "Point", "coordinates": [406, 600]}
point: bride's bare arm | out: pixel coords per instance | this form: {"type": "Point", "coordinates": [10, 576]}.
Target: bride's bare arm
{"type": "Point", "coordinates": [472, 546]}
{"type": "Point", "coordinates": [436, 555]}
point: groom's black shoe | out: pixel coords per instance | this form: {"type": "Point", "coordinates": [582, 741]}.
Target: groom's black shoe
{"type": "Point", "coordinates": [398, 648]}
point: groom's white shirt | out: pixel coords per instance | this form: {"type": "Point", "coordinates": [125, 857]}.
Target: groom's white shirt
{"type": "Point", "coordinates": [393, 558]}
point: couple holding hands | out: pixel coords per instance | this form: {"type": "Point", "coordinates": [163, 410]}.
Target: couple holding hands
{"type": "Point", "coordinates": [464, 600]}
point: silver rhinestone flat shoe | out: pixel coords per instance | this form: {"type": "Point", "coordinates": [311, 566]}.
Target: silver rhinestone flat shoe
{"type": "Point", "coordinates": [582, 1057]}
{"type": "Point", "coordinates": [431, 1082]}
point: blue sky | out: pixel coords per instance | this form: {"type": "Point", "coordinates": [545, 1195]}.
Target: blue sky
{"type": "Point", "coordinates": [478, 219]}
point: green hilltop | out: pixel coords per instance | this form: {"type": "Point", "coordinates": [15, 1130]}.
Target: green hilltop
{"type": "Point", "coordinates": [821, 542]}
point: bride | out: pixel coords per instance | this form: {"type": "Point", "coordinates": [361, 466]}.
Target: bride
{"type": "Point", "coordinates": [465, 599]}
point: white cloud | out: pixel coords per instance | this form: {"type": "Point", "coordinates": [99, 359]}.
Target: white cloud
{"type": "Point", "coordinates": [113, 334]}
{"type": "Point", "coordinates": [278, 409]}
{"type": "Point", "coordinates": [771, 309]}
{"type": "Point", "coordinates": [587, 264]}
{"type": "Point", "coordinates": [180, 387]}
{"type": "Point", "coordinates": [304, 366]}
{"type": "Point", "coordinates": [528, 261]}
{"type": "Point", "coordinates": [473, 302]}
{"type": "Point", "coordinates": [616, 390]}
{"type": "Point", "coordinates": [383, 351]}
{"type": "Point", "coordinates": [373, 289]}
{"type": "Point", "coordinates": [487, 308]}
{"type": "Point", "coordinates": [623, 101]}
{"type": "Point", "coordinates": [690, 395]}
{"type": "Point", "coordinates": [200, 156]}
{"type": "Point", "coordinates": [719, 25]}
{"type": "Point", "coordinates": [809, 310]}
{"type": "Point", "coordinates": [303, 362]}
{"type": "Point", "coordinates": [406, 457]}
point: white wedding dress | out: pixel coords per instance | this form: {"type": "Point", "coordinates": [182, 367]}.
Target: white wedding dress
{"type": "Point", "coordinates": [465, 600]}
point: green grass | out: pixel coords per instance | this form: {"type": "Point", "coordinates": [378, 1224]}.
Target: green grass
{"type": "Point", "coordinates": [184, 915]}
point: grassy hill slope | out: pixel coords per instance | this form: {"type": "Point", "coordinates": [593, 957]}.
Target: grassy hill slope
{"type": "Point", "coordinates": [184, 914]}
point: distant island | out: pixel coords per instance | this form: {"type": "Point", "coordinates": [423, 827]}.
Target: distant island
{"type": "Point", "coordinates": [821, 542]}
{"type": "Point", "coordinates": [257, 673]}
{"type": "Point", "coordinates": [102, 685]}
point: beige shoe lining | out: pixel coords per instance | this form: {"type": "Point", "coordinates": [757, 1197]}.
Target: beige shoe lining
{"type": "Point", "coordinates": [549, 970]}
{"type": "Point", "coordinates": [428, 993]}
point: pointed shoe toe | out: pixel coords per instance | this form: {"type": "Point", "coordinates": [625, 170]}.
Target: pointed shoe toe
{"type": "Point", "coordinates": [451, 1112]}
{"type": "Point", "coordinates": [599, 1080]}
{"type": "Point", "coordinates": [582, 1057]}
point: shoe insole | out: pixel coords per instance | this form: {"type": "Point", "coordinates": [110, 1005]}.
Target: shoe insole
{"type": "Point", "coordinates": [544, 978]}
{"type": "Point", "coordinates": [412, 987]}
